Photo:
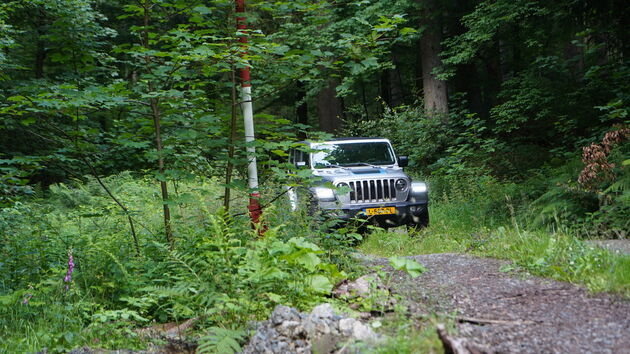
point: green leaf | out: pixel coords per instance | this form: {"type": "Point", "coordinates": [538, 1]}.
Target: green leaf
{"type": "Point", "coordinates": [319, 284]}
{"type": "Point", "coordinates": [16, 98]}
{"type": "Point", "coordinates": [370, 62]}
{"type": "Point", "coordinates": [28, 121]}
{"type": "Point", "coordinates": [202, 10]}
{"type": "Point", "coordinates": [280, 153]}
{"type": "Point", "coordinates": [407, 30]}
{"type": "Point", "coordinates": [413, 268]}
{"type": "Point", "coordinates": [308, 259]}
{"type": "Point", "coordinates": [6, 300]}
{"type": "Point", "coordinates": [301, 243]}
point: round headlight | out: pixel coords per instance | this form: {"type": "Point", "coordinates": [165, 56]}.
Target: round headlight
{"type": "Point", "coordinates": [401, 185]}
{"type": "Point", "coordinates": [342, 185]}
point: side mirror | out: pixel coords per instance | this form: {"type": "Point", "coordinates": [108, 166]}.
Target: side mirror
{"type": "Point", "coordinates": [403, 161]}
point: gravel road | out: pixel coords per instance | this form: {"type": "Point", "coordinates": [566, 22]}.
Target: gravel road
{"type": "Point", "coordinates": [518, 313]}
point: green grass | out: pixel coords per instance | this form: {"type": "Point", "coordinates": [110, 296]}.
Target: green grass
{"type": "Point", "coordinates": [408, 336]}
{"type": "Point", "coordinates": [399, 243]}
{"type": "Point", "coordinates": [560, 256]}
{"type": "Point", "coordinates": [550, 254]}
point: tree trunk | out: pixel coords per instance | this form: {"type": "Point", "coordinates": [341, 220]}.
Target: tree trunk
{"type": "Point", "coordinates": [40, 58]}
{"type": "Point", "coordinates": [397, 91]}
{"type": "Point", "coordinates": [156, 115]}
{"type": "Point", "coordinates": [391, 85]}
{"type": "Point", "coordinates": [497, 67]}
{"type": "Point", "coordinates": [385, 88]}
{"type": "Point", "coordinates": [301, 111]}
{"type": "Point", "coordinates": [467, 80]}
{"type": "Point", "coordinates": [40, 51]}
{"type": "Point", "coordinates": [434, 90]}
{"type": "Point", "coordinates": [163, 186]}
{"type": "Point", "coordinates": [230, 164]}
{"type": "Point", "coordinates": [329, 108]}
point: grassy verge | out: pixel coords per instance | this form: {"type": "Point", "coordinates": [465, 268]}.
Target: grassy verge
{"type": "Point", "coordinates": [556, 255]}
{"type": "Point", "coordinates": [408, 336]}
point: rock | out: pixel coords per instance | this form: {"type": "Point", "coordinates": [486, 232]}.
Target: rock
{"type": "Point", "coordinates": [323, 311]}
{"type": "Point", "coordinates": [362, 332]}
{"type": "Point", "coordinates": [291, 329]}
{"type": "Point", "coordinates": [362, 286]}
{"type": "Point", "coordinates": [284, 313]}
{"type": "Point", "coordinates": [346, 326]}
{"type": "Point", "coordinates": [316, 327]}
{"type": "Point", "coordinates": [369, 286]}
{"type": "Point", "coordinates": [324, 344]}
{"type": "Point", "coordinates": [321, 331]}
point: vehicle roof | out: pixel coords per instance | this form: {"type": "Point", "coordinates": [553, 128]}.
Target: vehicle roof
{"type": "Point", "coordinates": [347, 140]}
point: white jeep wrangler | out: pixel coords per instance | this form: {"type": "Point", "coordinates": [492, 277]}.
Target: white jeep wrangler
{"type": "Point", "coordinates": [362, 178]}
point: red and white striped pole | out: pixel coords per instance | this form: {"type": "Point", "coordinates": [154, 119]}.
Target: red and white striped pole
{"type": "Point", "coordinates": [248, 117]}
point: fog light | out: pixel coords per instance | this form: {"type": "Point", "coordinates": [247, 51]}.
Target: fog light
{"type": "Point", "coordinates": [419, 187]}
{"type": "Point", "coordinates": [324, 194]}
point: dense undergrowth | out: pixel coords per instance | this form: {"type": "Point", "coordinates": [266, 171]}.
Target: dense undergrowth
{"type": "Point", "coordinates": [219, 270]}
{"type": "Point", "coordinates": [72, 273]}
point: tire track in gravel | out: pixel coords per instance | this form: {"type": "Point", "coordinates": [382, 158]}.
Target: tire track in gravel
{"type": "Point", "coordinates": [527, 314]}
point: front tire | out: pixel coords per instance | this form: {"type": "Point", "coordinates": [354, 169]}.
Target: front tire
{"type": "Point", "coordinates": [419, 222]}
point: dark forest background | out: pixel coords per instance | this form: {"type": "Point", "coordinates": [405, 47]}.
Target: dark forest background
{"type": "Point", "coordinates": [510, 89]}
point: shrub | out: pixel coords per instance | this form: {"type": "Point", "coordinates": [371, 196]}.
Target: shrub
{"type": "Point", "coordinates": [219, 271]}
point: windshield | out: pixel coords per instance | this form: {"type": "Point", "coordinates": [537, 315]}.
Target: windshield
{"type": "Point", "coordinates": [353, 154]}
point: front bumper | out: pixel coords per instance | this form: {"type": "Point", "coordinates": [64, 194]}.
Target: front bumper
{"type": "Point", "coordinates": [406, 213]}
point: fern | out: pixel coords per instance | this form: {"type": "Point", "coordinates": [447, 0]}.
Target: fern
{"type": "Point", "coordinates": [183, 260]}
{"type": "Point", "coordinates": [620, 186]}
{"type": "Point", "coordinates": [221, 340]}
{"type": "Point", "coordinates": [115, 259]}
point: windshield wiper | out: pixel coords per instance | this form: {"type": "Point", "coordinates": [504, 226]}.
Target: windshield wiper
{"type": "Point", "coordinates": [359, 164]}
{"type": "Point", "coordinates": [332, 165]}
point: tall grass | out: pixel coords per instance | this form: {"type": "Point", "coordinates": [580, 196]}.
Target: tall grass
{"type": "Point", "coordinates": [477, 219]}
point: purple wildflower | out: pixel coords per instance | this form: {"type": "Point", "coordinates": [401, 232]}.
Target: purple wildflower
{"type": "Point", "coordinates": [27, 297]}
{"type": "Point", "coordinates": [68, 277]}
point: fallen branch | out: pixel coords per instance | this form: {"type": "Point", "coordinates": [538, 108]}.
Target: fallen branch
{"type": "Point", "coordinates": [489, 321]}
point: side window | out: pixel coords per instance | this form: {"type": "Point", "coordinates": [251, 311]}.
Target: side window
{"type": "Point", "coordinates": [305, 158]}
{"type": "Point", "coordinates": [300, 158]}
{"type": "Point", "coordinates": [292, 156]}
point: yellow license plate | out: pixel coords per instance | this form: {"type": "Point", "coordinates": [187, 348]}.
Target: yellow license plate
{"type": "Point", "coordinates": [380, 211]}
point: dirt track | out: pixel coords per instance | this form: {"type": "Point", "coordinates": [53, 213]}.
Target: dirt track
{"type": "Point", "coordinates": [518, 313]}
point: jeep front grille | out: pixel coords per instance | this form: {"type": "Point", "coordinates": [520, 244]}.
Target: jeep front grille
{"type": "Point", "coordinates": [379, 190]}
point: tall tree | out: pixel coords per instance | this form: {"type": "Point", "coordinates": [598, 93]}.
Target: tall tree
{"type": "Point", "coordinates": [434, 89]}
{"type": "Point", "coordinates": [329, 108]}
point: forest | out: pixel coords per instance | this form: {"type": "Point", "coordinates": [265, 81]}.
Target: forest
{"type": "Point", "coordinates": [123, 160]}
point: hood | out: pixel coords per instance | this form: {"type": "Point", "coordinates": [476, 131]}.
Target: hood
{"type": "Point", "coordinates": [362, 172]}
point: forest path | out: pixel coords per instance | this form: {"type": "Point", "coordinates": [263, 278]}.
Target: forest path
{"type": "Point", "coordinates": [514, 312]}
